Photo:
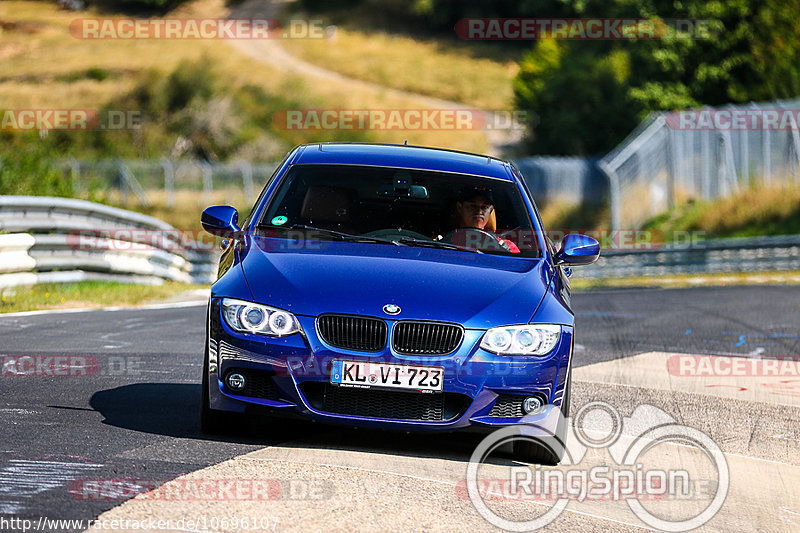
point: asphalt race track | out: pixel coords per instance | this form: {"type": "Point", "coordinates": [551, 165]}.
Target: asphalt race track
{"type": "Point", "coordinates": [133, 418]}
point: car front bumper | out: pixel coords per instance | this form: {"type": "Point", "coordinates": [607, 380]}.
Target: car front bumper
{"type": "Point", "coordinates": [291, 376]}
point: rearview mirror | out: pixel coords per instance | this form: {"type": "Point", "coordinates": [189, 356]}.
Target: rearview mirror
{"type": "Point", "coordinates": [578, 250]}
{"type": "Point", "coordinates": [220, 220]}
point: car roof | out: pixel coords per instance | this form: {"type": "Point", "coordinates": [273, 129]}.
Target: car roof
{"type": "Point", "coordinates": [403, 156]}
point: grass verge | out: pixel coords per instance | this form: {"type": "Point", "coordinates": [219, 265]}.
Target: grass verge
{"type": "Point", "coordinates": [87, 294]}
{"type": "Point", "coordinates": [690, 280]}
{"type": "Point", "coordinates": [760, 211]}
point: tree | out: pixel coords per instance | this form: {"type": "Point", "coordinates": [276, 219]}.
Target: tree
{"type": "Point", "coordinates": [587, 95]}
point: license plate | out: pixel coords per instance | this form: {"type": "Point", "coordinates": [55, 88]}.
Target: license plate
{"type": "Point", "coordinates": [366, 374]}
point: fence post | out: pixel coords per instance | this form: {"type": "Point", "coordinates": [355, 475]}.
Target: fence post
{"type": "Point", "coordinates": [208, 183]}
{"type": "Point", "coordinates": [793, 141]}
{"type": "Point", "coordinates": [730, 163]}
{"type": "Point", "coordinates": [131, 183]}
{"type": "Point", "coordinates": [613, 187]}
{"type": "Point", "coordinates": [169, 181]}
{"type": "Point", "coordinates": [766, 156]}
{"type": "Point", "coordinates": [75, 175]}
{"type": "Point", "coordinates": [122, 183]}
{"type": "Point", "coordinates": [705, 150]}
{"type": "Point", "coordinates": [745, 158]}
{"type": "Point", "coordinates": [247, 179]}
{"type": "Point", "coordinates": [672, 158]}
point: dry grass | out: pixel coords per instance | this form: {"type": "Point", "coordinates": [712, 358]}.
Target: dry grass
{"type": "Point", "coordinates": [561, 216]}
{"type": "Point", "coordinates": [760, 211]}
{"type": "Point", "coordinates": [87, 294]}
{"type": "Point", "coordinates": [446, 71]}
{"type": "Point", "coordinates": [188, 205]}
{"type": "Point", "coordinates": [40, 56]}
{"type": "Point", "coordinates": [753, 208]}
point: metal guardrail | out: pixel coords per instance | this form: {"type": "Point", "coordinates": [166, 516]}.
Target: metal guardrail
{"type": "Point", "coordinates": [757, 254]}
{"type": "Point", "coordinates": [64, 239]}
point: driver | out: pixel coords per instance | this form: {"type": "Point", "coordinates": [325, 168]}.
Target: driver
{"type": "Point", "coordinates": [475, 207]}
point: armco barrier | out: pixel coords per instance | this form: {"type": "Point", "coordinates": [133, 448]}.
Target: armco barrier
{"type": "Point", "coordinates": [756, 254]}
{"type": "Point", "coordinates": [42, 244]}
{"type": "Point", "coordinates": [52, 239]}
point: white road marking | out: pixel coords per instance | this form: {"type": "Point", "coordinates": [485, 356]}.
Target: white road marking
{"type": "Point", "coordinates": [23, 479]}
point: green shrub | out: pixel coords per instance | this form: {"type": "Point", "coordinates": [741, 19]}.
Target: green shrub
{"type": "Point", "coordinates": [28, 169]}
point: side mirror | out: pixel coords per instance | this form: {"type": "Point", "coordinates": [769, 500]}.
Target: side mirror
{"type": "Point", "coordinates": [220, 220]}
{"type": "Point", "coordinates": [578, 250]}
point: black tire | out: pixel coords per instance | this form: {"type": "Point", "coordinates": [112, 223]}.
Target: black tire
{"type": "Point", "coordinates": [211, 421]}
{"type": "Point", "coordinates": [530, 451]}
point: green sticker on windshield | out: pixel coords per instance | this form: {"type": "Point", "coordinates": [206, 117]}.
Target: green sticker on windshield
{"type": "Point", "coordinates": [279, 221]}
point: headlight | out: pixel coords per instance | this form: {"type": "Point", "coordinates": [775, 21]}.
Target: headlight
{"type": "Point", "coordinates": [256, 318]}
{"type": "Point", "coordinates": [527, 339]}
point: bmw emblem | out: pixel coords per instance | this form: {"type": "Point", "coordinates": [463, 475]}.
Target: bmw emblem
{"type": "Point", "coordinates": [391, 309]}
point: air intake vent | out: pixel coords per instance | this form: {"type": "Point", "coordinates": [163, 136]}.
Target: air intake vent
{"type": "Point", "coordinates": [510, 405]}
{"type": "Point", "coordinates": [426, 338]}
{"type": "Point", "coordinates": [384, 404]}
{"type": "Point", "coordinates": [257, 384]}
{"type": "Point", "coordinates": [357, 333]}
{"type": "Point", "coordinates": [387, 404]}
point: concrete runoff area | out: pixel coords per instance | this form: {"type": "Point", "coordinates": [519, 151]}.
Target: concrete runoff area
{"type": "Point", "coordinates": [353, 480]}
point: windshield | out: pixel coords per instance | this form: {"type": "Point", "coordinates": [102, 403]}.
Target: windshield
{"type": "Point", "coordinates": [389, 206]}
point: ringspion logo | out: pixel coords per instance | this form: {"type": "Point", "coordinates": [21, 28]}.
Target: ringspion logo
{"type": "Point", "coordinates": [628, 470]}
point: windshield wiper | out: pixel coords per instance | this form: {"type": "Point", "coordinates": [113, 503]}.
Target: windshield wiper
{"type": "Point", "coordinates": [333, 233]}
{"type": "Point", "coordinates": [410, 241]}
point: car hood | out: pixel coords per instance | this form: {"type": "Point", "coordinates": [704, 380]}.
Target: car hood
{"type": "Point", "coordinates": [476, 290]}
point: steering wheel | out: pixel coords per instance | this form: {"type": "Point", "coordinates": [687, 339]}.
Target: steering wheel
{"type": "Point", "coordinates": [486, 239]}
{"type": "Point", "coordinates": [396, 233]}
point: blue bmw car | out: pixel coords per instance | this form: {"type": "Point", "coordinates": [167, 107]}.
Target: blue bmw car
{"type": "Point", "coordinates": [395, 287]}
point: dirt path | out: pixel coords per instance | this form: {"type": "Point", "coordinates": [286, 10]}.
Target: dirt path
{"type": "Point", "coordinates": [273, 54]}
